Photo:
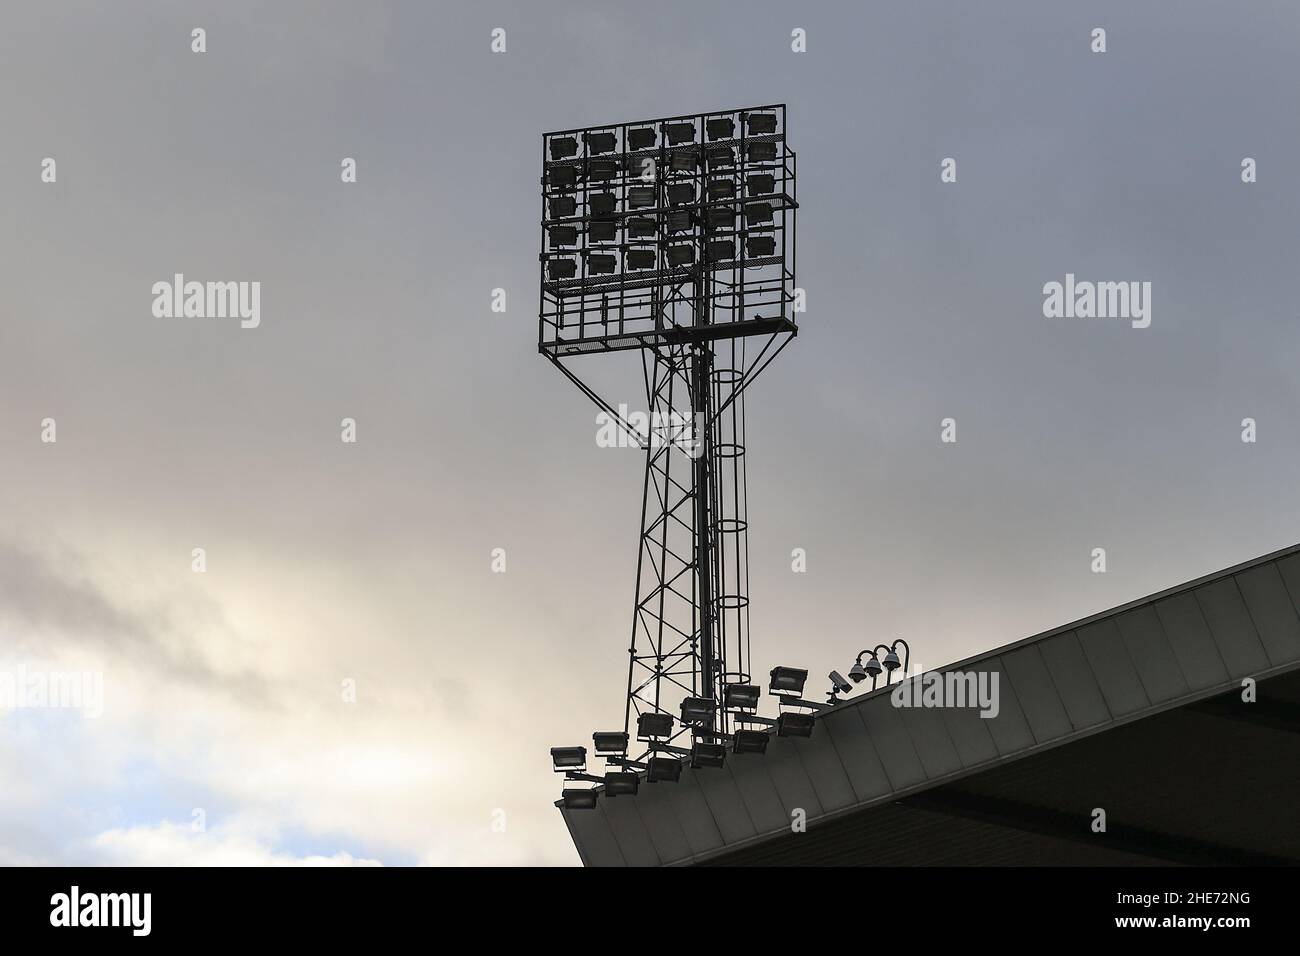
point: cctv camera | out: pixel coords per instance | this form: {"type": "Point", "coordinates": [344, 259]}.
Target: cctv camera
{"type": "Point", "coordinates": [841, 685]}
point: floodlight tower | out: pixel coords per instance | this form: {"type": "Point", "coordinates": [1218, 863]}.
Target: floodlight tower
{"type": "Point", "coordinates": [675, 238]}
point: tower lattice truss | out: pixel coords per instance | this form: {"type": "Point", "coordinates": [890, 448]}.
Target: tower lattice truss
{"type": "Point", "coordinates": [675, 237]}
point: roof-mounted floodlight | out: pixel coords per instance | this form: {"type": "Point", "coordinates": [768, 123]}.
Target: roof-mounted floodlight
{"type": "Point", "coordinates": [750, 741]}
{"type": "Point", "coordinates": [707, 755]}
{"type": "Point", "coordinates": [569, 759]}
{"type": "Point", "coordinates": [666, 769]}
{"type": "Point", "coordinates": [787, 680]}
{"type": "Point", "coordinates": [741, 696]}
{"type": "Point", "coordinates": [621, 783]}
{"type": "Point", "coordinates": [696, 710]}
{"type": "Point", "coordinates": [610, 743]}
{"type": "Point", "coordinates": [653, 724]}
{"type": "Point", "coordinates": [579, 799]}
{"type": "Point", "coordinates": [793, 724]}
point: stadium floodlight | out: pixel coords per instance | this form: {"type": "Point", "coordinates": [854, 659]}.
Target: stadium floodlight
{"type": "Point", "coordinates": [641, 258]}
{"type": "Point", "coordinates": [720, 156]}
{"type": "Point", "coordinates": [787, 680]}
{"type": "Point", "coordinates": [602, 230]}
{"type": "Point", "coordinates": [762, 152]}
{"type": "Point", "coordinates": [610, 743]}
{"type": "Point", "coordinates": [720, 250]}
{"type": "Point", "coordinates": [654, 724]}
{"type": "Point", "coordinates": [599, 142]}
{"type": "Point", "coordinates": [598, 169]}
{"type": "Point", "coordinates": [561, 268]}
{"type": "Point", "coordinates": [758, 246]}
{"type": "Point", "coordinates": [579, 799]}
{"type": "Point", "coordinates": [751, 741]}
{"type": "Point", "coordinates": [760, 184]}
{"type": "Point", "coordinates": [620, 783]}
{"type": "Point", "coordinates": [681, 193]}
{"type": "Point", "coordinates": [641, 138]}
{"type": "Point", "coordinates": [678, 220]}
{"type": "Point", "coordinates": [569, 759]}
{"type": "Point", "coordinates": [722, 188]}
{"type": "Point", "coordinates": [720, 128]}
{"type": "Point", "coordinates": [741, 696]}
{"type": "Point", "coordinates": [681, 255]}
{"type": "Point", "coordinates": [758, 212]}
{"type": "Point", "coordinates": [723, 217]}
{"type": "Point", "coordinates": [707, 755]}
{"type": "Point", "coordinates": [602, 204]}
{"type": "Point", "coordinates": [563, 235]}
{"type": "Point", "coordinates": [562, 147]}
{"type": "Point", "coordinates": [684, 161]}
{"type": "Point", "coordinates": [562, 206]}
{"type": "Point", "coordinates": [638, 197]}
{"type": "Point", "coordinates": [639, 227]}
{"type": "Point", "coordinates": [668, 769]}
{"type": "Point", "coordinates": [760, 123]}
{"type": "Point", "coordinates": [678, 133]}
{"type": "Point", "coordinates": [696, 710]}
{"type": "Point", "coordinates": [601, 264]}
{"type": "Point", "coordinates": [562, 177]}
{"type": "Point", "coordinates": [792, 724]}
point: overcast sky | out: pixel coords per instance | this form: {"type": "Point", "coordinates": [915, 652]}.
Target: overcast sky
{"type": "Point", "coordinates": [371, 562]}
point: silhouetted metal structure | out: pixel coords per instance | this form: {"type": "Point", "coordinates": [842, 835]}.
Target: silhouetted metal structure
{"type": "Point", "coordinates": [675, 237]}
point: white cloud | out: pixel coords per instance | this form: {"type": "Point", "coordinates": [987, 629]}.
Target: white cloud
{"type": "Point", "coordinates": [171, 844]}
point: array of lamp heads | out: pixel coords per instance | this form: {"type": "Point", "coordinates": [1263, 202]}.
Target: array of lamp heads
{"type": "Point", "coordinates": [715, 210]}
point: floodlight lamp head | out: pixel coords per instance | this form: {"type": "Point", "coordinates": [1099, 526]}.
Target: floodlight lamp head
{"type": "Point", "coordinates": [569, 759]}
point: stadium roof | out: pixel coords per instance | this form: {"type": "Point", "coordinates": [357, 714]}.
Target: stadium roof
{"type": "Point", "coordinates": [1137, 711]}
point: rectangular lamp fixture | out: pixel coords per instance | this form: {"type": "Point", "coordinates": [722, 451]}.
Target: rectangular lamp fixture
{"type": "Point", "coordinates": [681, 255]}
{"type": "Point", "coordinates": [757, 212]}
{"type": "Point", "coordinates": [757, 247]}
{"type": "Point", "coordinates": [563, 177]}
{"type": "Point", "coordinates": [721, 250]}
{"type": "Point", "coordinates": [639, 227]}
{"type": "Point", "coordinates": [562, 206]}
{"type": "Point", "coordinates": [638, 197]}
{"type": "Point", "coordinates": [761, 123]}
{"type": "Point", "coordinates": [794, 725]}
{"type": "Point", "coordinates": [751, 741]}
{"type": "Point", "coordinates": [602, 230]}
{"type": "Point", "coordinates": [761, 184]}
{"type": "Point", "coordinates": [599, 142]}
{"type": "Point", "coordinates": [720, 217]}
{"type": "Point", "coordinates": [787, 680]}
{"type": "Point", "coordinates": [654, 724]}
{"type": "Point", "coordinates": [696, 710]}
{"type": "Point", "coordinates": [641, 258]}
{"type": "Point", "coordinates": [741, 696]}
{"type": "Point", "coordinates": [602, 204]}
{"type": "Point", "coordinates": [561, 268]}
{"type": "Point", "coordinates": [722, 189]}
{"type": "Point", "coordinates": [621, 784]}
{"type": "Point", "coordinates": [642, 138]}
{"type": "Point", "coordinates": [707, 755]}
{"type": "Point", "coordinates": [688, 160]}
{"type": "Point", "coordinates": [599, 169]}
{"type": "Point", "coordinates": [762, 152]}
{"type": "Point", "coordinates": [598, 265]}
{"type": "Point", "coordinates": [563, 235]}
{"type": "Point", "coordinates": [562, 147]}
{"type": "Point", "coordinates": [569, 758]}
{"type": "Point", "coordinates": [720, 156]}
{"type": "Point", "coordinates": [579, 799]}
{"type": "Point", "coordinates": [610, 743]}
{"type": "Point", "coordinates": [720, 128]}
{"type": "Point", "coordinates": [679, 220]}
{"type": "Point", "coordinates": [668, 769]}
{"type": "Point", "coordinates": [679, 133]}
{"type": "Point", "coordinates": [681, 193]}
